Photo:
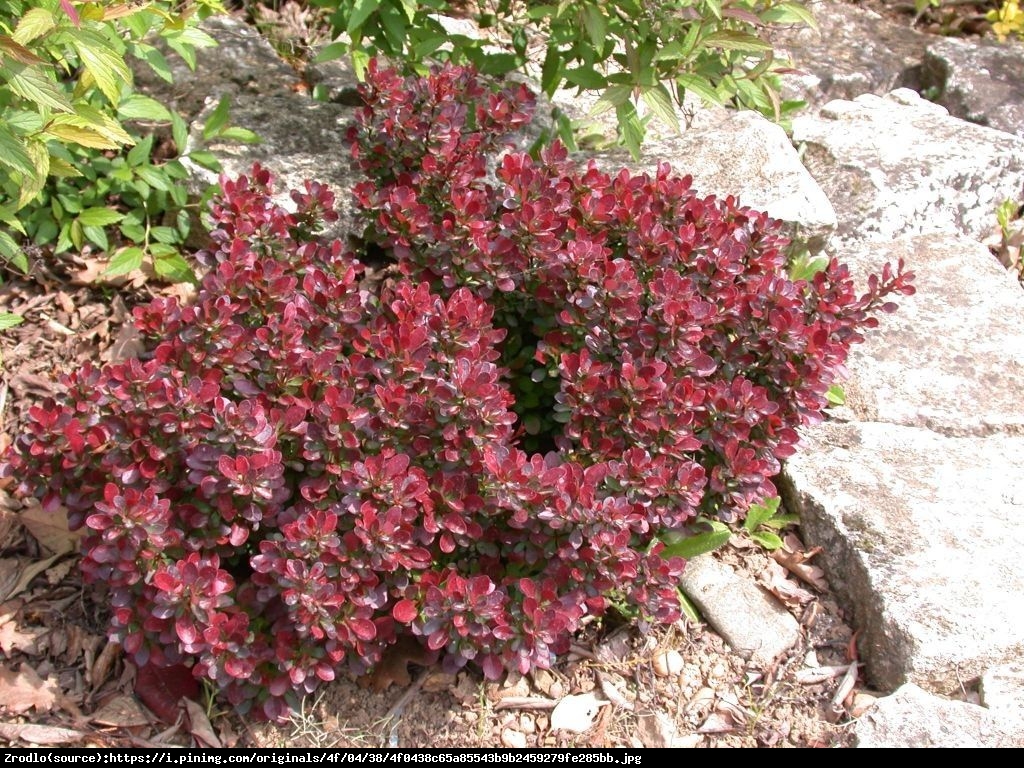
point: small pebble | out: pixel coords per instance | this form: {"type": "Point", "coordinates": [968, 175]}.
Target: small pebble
{"type": "Point", "coordinates": [668, 663]}
{"type": "Point", "coordinates": [862, 702]}
{"type": "Point", "coordinates": [513, 739]}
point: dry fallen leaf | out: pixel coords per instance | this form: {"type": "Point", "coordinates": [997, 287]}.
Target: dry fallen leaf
{"type": "Point", "coordinates": [45, 735]}
{"type": "Point", "coordinates": [793, 558]}
{"type": "Point", "coordinates": [12, 638]}
{"type": "Point", "coordinates": [122, 711]}
{"type": "Point", "coordinates": [24, 571]}
{"type": "Point", "coordinates": [199, 726]}
{"type": "Point", "coordinates": [784, 588]}
{"type": "Point", "coordinates": [24, 690]}
{"type": "Point", "coordinates": [576, 714]}
{"type": "Point", "coordinates": [50, 529]}
{"type": "Point", "coordinates": [655, 729]}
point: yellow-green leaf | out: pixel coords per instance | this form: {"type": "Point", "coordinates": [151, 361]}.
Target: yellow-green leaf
{"type": "Point", "coordinates": [14, 152]}
{"type": "Point", "coordinates": [89, 117]}
{"type": "Point", "coordinates": [361, 11]}
{"type": "Point", "coordinates": [106, 65]}
{"type": "Point", "coordinates": [35, 85]}
{"type": "Point", "coordinates": [733, 40]}
{"type": "Point", "coordinates": [7, 320]}
{"type": "Point", "coordinates": [789, 13]}
{"type": "Point", "coordinates": [660, 103]}
{"type": "Point", "coordinates": [85, 137]}
{"type": "Point", "coordinates": [33, 24]}
{"type": "Point", "coordinates": [33, 184]}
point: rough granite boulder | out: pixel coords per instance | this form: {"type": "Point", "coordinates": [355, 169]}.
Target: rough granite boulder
{"type": "Point", "coordinates": [741, 154]}
{"type": "Point", "coordinates": [951, 359]}
{"type": "Point", "coordinates": [912, 718]}
{"type": "Point", "coordinates": [978, 80]}
{"type": "Point", "coordinates": [902, 165]}
{"type": "Point", "coordinates": [853, 51]}
{"type": "Point", "coordinates": [921, 536]}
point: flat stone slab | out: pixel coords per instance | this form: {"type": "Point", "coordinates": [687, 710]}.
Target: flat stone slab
{"type": "Point", "coordinates": [951, 358]}
{"type": "Point", "coordinates": [922, 539]}
{"type": "Point", "coordinates": [902, 165]}
{"type": "Point", "coordinates": [752, 622]}
{"type": "Point", "coordinates": [913, 718]}
{"type": "Point", "coordinates": [978, 80]}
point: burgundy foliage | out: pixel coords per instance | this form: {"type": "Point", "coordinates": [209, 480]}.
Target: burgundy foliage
{"type": "Point", "coordinates": [302, 468]}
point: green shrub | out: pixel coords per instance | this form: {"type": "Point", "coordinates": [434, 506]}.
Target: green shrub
{"type": "Point", "coordinates": [642, 56]}
{"type": "Point", "coordinates": [67, 107]}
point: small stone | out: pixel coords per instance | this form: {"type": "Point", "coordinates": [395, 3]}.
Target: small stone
{"type": "Point", "coordinates": [557, 690]}
{"type": "Point", "coordinates": [668, 663]}
{"type": "Point", "coordinates": [862, 702]}
{"type": "Point", "coordinates": [689, 741]}
{"type": "Point", "coordinates": [513, 739]}
{"type": "Point", "coordinates": [526, 724]}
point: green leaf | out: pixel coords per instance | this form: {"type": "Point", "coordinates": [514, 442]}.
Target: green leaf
{"type": "Point", "coordinates": [331, 52]}
{"type": "Point", "coordinates": [699, 543]}
{"type": "Point", "coordinates": [218, 118]}
{"type": "Point", "coordinates": [185, 41]}
{"type": "Point", "coordinates": [393, 23]}
{"type": "Point", "coordinates": [551, 71]}
{"type": "Point", "coordinates": [688, 608]}
{"type": "Point", "coordinates": [106, 65]}
{"type": "Point", "coordinates": [32, 184]}
{"type": "Point", "coordinates": [767, 539]}
{"type": "Point", "coordinates": [124, 261]}
{"type": "Point", "coordinates": [630, 128]}
{"type": "Point", "coordinates": [99, 217]}
{"type": "Point", "coordinates": [789, 13]}
{"type": "Point", "coordinates": [173, 268]}
{"type": "Point", "coordinates": [179, 131]}
{"type": "Point", "coordinates": [205, 159]}
{"type": "Point", "coordinates": [700, 86]}
{"type": "Point", "coordinates": [139, 107]}
{"type": "Point", "coordinates": [360, 61]}
{"type": "Point", "coordinates": [361, 11]}
{"type": "Point", "coordinates": [660, 103]}
{"type": "Point", "coordinates": [409, 6]}
{"type": "Point", "coordinates": [12, 253]}
{"type": "Point", "coordinates": [715, 6]}
{"type": "Point", "coordinates": [499, 63]}
{"type": "Point", "coordinates": [7, 320]}
{"type": "Point", "coordinates": [97, 236]}
{"type": "Point", "coordinates": [586, 77]}
{"type": "Point", "coordinates": [243, 135]}
{"type": "Point", "coordinates": [139, 154]}
{"type": "Point", "coordinates": [154, 176]}
{"type": "Point", "coordinates": [34, 23]}
{"type": "Point", "coordinates": [164, 234]}
{"type": "Point", "coordinates": [612, 97]}
{"type": "Point", "coordinates": [14, 152]}
{"type": "Point", "coordinates": [33, 84]}
{"type": "Point", "coordinates": [594, 23]}
{"type": "Point", "coordinates": [157, 62]}
{"type": "Point", "coordinates": [806, 267]}
{"type": "Point", "coordinates": [734, 40]}
{"type": "Point", "coordinates": [760, 513]}
{"type": "Point", "coordinates": [836, 395]}
{"type": "Point", "coordinates": [92, 121]}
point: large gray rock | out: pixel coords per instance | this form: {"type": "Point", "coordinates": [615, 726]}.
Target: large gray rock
{"type": "Point", "coordinates": [977, 80]}
{"type": "Point", "coordinates": [300, 139]}
{"type": "Point", "coordinates": [951, 358]}
{"type": "Point", "coordinates": [753, 623]}
{"type": "Point", "coordinates": [922, 539]}
{"type": "Point", "coordinates": [1002, 691]}
{"type": "Point", "coordinates": [745, 155]}
{"type": "Point", "coordinates": [853, 51]}
{"type": "Point", "coordinates": [901, 165]}
{"type": "Point", "coordinates": [242, 64]}
{"type": "Point", "coordinates": [912, 718]}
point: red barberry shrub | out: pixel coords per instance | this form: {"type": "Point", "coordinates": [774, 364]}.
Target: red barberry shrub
{"type": "Point", "coordinates": [307, 461]}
